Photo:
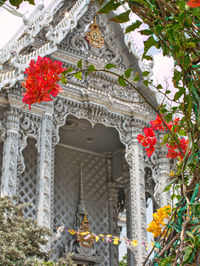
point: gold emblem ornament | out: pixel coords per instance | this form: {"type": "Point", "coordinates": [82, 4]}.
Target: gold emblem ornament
{"type": "Point", "coordinates": [94, 36]}
{"type": "Point", "coordinates": [85, 238]}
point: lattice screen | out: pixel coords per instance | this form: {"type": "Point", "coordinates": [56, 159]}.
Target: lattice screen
{"type": "Point", "coordinates": [1, 160]}
{"type": "Point", "coordinates": [28, 179]}
{"type": "Point", "coordinates": [67, 171]}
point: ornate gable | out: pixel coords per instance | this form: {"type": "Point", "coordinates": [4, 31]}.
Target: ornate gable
{"type": "Point", "coordinates": [76, 43]}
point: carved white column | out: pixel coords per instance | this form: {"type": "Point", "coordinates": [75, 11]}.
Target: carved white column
{"type": "Point", "coordinates": [45, 172]}
{"type": "Point", "coordinates": [163, 198]}
{"type": "Point", "coordinates": [10, 154]}
{"type": "Point", "coordinates": [134, 157]}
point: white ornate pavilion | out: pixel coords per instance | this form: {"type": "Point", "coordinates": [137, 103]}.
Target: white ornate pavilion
{"type": "Point", "coordinates": [79, 153]}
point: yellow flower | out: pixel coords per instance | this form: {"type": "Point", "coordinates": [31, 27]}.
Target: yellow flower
{"type": "Point", "coordinates": [134, 242]}
{"type": "Point", "coordinates": [158, 218]}
{"type": "Point", "coordinates": [172, 173]}
{"type": "Point", "coordinates": [116, 241]}
{"type": "Point", "coordinates": [97, 238]}
{"type": "Point", "coordinates": [154, 228]}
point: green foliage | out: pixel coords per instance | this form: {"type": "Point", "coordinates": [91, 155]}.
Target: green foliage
{"type": "Point", "coordinates": [17, 2]}
{"type": "Point", "coordinates": [124, 17]}
{"type": "Point", "coordinates": [111, 5]}
{"type": "Point", "coordinates": [133, 26]}
{"type": "Point", "coordinates": [20, 239]}
{"type": "Point", "coordinates": [109, 66]}
{"type": "Point", "coordinates": [123, 262]}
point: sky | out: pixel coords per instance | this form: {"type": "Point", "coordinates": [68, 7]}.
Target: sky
{"type": "Point", "coordinates": [9, 24]}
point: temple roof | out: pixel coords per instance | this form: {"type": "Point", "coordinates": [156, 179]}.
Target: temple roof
{"type": "Point", "coordinates": [58, 31]}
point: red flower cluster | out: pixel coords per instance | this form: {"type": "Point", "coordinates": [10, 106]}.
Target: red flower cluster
{"type": "Point", "coordinates": [173, 151]}
{"type": "Point", "coordinates": [157, 124]}
{"type": "Point", "coordinates": [194, 3]}
{"type": "Point", "coordinates": [148, 141]}
{"type": "Point", "coordinates": [41, 81]}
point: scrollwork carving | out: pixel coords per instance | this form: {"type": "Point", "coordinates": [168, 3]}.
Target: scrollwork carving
{"type": "Point", "coordinates": [94, 113]}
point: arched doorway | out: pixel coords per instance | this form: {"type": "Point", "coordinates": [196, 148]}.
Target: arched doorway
{"type": "Point", "coordinates": [89, 168]}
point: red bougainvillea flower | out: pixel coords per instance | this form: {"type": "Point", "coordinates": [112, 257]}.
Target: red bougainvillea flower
{"type": "Point", "coordinates": [148, 141]}
{"type": "Point", "coordinates": [157, 124]}
{"type": "Point", "coordinates": [41, 81]}
{"type": "Point", "coordinates": [150, 150]}
{"type": "Point", "coordinates": [194, 3]}
{"type": "Point", "coordinates": [173, 151]}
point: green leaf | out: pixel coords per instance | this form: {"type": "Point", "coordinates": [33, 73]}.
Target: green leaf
{"type": "Point", "coordinates": [121, 81]}
{"type": "Point", "coordinates": [177, 77]}
{"type": "Point", "coordinates": [166, 261]}
{"type": "Point", "coordinates": [163, 110]}
{"type": "Point", "coordinates": [108, 7]}
{"type": "Point", "coordinates": [181, 132]}
{"type": "Point", "coordinates": [148, 57]}
{"type": "Point", "coordinates": [181, 17]}
{"type": "Point", "coordinates": [127, 72]}
{"type": "Point", "coordinates": [165, 139]}
{"type": "Point", "coordinates": [78, 75]}
{"type": "Point", "coordinates": [133, 26]}
{"type": "Point", "coordinates": [148, 44]}
{"type": "Point", "coordinates": [187, 253]}
{"type": "Point", "coordinates": [158, 29]}
{"type": "Point", "coordinates": [79, 64]}
{"type": "Point", "coordinates": [137, 77]}
{"type": "Point", "coordinates": [187, 61]}
{"type": "Point", "coordinates": [70, 69]}
{"type": "Point", "coordinates": [181, 5]}
{"type": "Point", "coordinates": [63, 80]}
{"type": "Point", "coordinates": [179, 93]}
{"type": "Point", "coordinates": [15, 2]}
{"type": "Point", "coordinates": [109, 66]}
{"type": "Point", "coordinates": [168, 186]}
{"type": "Point", "coordinates": [123, 17]}
{"type": "Point", "coordinates": [159, 87]}
{"type": "Point", "coordinates": [30, 2]}
{"type": "Point", "coordinates": [146, 83]}
{"type": "Point", "coordinates": [90, 69]}
{"type": "Point", "coordinates": [170, 33]}
{"type": "Point", "coordinates": [145, 73]}
{"type": "Point", "coordinates": [191, 45]}
{"type": "Point", "coordinates": [168, 117]}
{"type": "Point", "coordinates": [146, 32]}
{"type": "Point", "coordinates": [191, 159]}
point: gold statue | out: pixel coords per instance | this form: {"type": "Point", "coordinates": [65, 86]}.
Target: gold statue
{"type": "Point", "coordinates": [85, 238]}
